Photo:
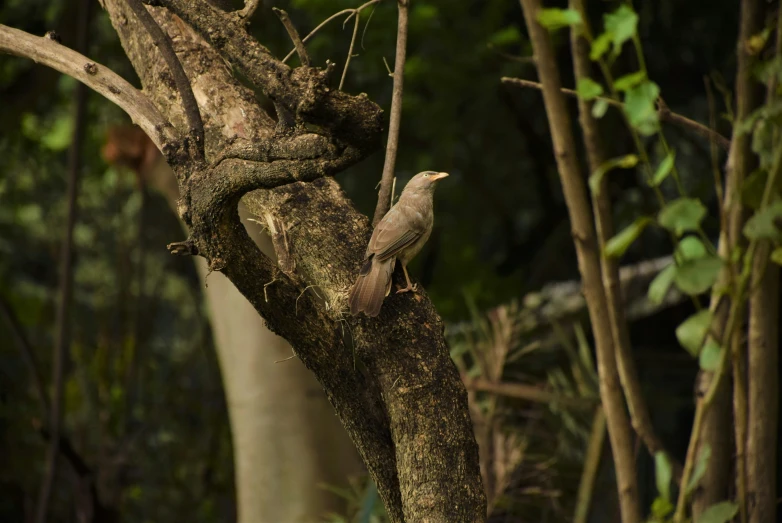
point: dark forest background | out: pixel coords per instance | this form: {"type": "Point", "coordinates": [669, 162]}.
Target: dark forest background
{"type": "Point", "coordinates": [144, 404]}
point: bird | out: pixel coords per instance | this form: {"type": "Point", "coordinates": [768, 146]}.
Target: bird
{"type": "Point", "coordinates": [399, 236]}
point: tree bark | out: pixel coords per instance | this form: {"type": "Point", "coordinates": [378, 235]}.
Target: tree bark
{"type": "Point", "coordinates": [619, 431]}
{"type": "Point", "coordinates": [390, 379]}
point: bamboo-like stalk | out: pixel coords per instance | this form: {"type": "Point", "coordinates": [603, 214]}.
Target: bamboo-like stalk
{"type": "Point", "coordinates": [619, 430]}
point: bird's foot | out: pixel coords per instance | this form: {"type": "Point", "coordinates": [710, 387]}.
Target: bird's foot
{"type": "Point", "coordinates": [413, 288]}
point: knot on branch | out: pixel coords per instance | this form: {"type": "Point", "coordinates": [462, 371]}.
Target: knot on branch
{"type": "Point", "coordinates": [185, 248]}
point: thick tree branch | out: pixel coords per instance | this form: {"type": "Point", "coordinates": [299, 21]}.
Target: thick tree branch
{"type": "Point", "coordinates": [420, 462]}
{"type": "Point", "coordinates": [604, 221]}
{"type": "Point", "coordinates": [163, 43]}
{"type": "Point", "coordinates": [62, 333]}
{"type": "Point", "coordinates": [663, 112]}
{"type": "Point", "coordinates": [304, 91]}
{"type": "Point", "coordinates": [619, 430]}
{"type": "Point", "coordinates": [386, 181]}
{"type": "Point", "coordinates": [101, 79]}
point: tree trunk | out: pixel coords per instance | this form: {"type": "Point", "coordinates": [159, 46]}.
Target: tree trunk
{"type": "Point", "coordinates": [390, 379]}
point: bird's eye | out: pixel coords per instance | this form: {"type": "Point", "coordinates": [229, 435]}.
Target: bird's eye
{"type": "Point", "coordinates": [426, 175]}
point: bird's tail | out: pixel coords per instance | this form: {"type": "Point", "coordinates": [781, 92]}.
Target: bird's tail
{"type": "Point", "coordinates": [371, 287]}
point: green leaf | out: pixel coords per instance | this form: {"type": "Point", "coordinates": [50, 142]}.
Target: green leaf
{"type": "Point", "coordinates": [622, 24]}
{"type": "Point", "coordinates": [554, 18]}
{"type": "Point", "coordinates": [616, 246]}
{"type": "Point", "coordinates": [599, 108]}
{"type": "Point", "coordinates": [661, 507]}
{"type": "Point", "coordinates": [709, 358]}
{"type": "Point", "coordinates": [629, 81]}
{"type": "Point", "coordinates": [600, 45]}
{"type": "Point", "coordinates": [776, 256]}
{"type": "Point", "coordinates": [682, 215]}
{"type": "Point", "coordinates": [507, 36]}
{"type": "Point", "coordinates": [664, 169]}
{"type": "Point", "coordinates": [765, 224]}
{"type": "Point", "coordinates": [692, 332]}
{"type": "Point", "coordinates": [658, 289]}
{"type": "Point", "coordinates": [690, 248]}
{"type": "Point", "coordinates": [752, 189]}
{"type": "Point", "coordinates": [695, 277]}
{"type": "Point", "coordinates": [722, 512]}
{"type": "Point", "coordinates": [640, 106]}
{"type": "Point", "coordinates": [663, 471]}
{"type": "Point", "coordinates": [588, 89]}
{"type": "Point", "coordinates": [701, 464]}
{"type": "Point", "coordinates": [625, 162]}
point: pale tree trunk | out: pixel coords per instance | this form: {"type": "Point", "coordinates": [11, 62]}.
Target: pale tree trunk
{"type": "Point", "coordinates": [287, 443]}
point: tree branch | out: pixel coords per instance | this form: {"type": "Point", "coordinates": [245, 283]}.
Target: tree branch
{"type": "Point", "coordinates": [250, 6]}
{"type": "Point", "coordinates": [711, 410]}
{"type": "Point", "coordinates": [601, 202]}
{"type": "Point", "coordinates": [294, 34]}
{"type": "Point", "coordinates": [62, 326]}
{"type": "Point", "coordinates": [419, 461]}
{"type": "Point", "coordinates": [101, 79]}
{"type": "Point", "coordinates": [663, 112]}
{"type": "Point", "coordinates": [619, 430]}
{"type": "Point", "coordinates": [763, 365]}
{"type": "Point", "coordinates": [166, 48]}
{"type": "Point", "coordinates": [384, 195]}
{"type": "Point", "coordinates": [527, 392]}
{"type": "Point", "coordinates": [305, 91]}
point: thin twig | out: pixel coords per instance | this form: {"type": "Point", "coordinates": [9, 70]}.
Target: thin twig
{"type": "Point", "coordinates": [163, 42]}
{"type": "Point", "coordinates": [592, 462]}
{"type": "Point", "coordinates": [526, 392]}
{"type": "Point", "coordinates": [101, 79]}
{"type": "Point", "coordinates": [384, 195]}
{"type": "Point", "coordinates": [663, 112]}
{"type": "Point", "coordinates": [329, 19]}
{"type": "Point", "coordinates": [298, 45]}
{"type": "Point", "coordinates": [62, 316]}
{"type": "Point", "coordinates": [27, 351]}
{"type": "Point", "coordinates": [350, 49]}
{"type": "Point", "coordinates": [249, 9]}
{"type": "Point", "coordinates": [604, 225]}
{"type": "Point", "coordinates": [576, 198]}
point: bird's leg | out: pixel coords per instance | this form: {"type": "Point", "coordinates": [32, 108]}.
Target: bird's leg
{"type": "Point", "coordinates": [410, 286]}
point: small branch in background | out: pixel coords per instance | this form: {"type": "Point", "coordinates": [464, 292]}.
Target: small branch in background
{"type": "Point", "coordinates": [527, 392]}
{"type": "Point", "coordinates": [712, 416]}
{"type": "Point", "coordinates": [592, 460]}
{"type": "Point", "coordinates": [604, 225]}
{"type": "Point", "coordinates": [249, 9]}
{"type": "Point", "coordinates": [573, 187]}
{"type": "Point", "coordinates": [349, 12]}
{"type": "Point", "coordinates": [27, 352]}
{"type": "Point", "coordinates": [663, 112]}
{"type": "Point", "coordinates": [294, 35]}
{"type": "Point", "coordinates": [166, 48]}
{"type": "Point", "coordinates": [384, 195]}
{"type": "Point", "coordinates": [49, 52]}
{"type": "Point", "coordinates": [62, 318]}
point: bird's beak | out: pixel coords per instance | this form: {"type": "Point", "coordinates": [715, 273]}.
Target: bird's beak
{"type": "Point", "coordinates": [438, 176]}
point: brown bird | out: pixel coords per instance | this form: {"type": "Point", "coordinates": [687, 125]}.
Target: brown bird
{"type": "Point", "coordinates": [399, 236]}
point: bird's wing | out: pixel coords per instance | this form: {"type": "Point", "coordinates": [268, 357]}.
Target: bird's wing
{"type": "Point", "coordinates": [394, 233]}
